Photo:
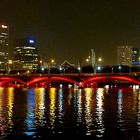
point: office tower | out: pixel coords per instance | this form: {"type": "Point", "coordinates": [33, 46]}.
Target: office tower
{"type": "Point", "coordinates": [93, 61]}
{"type": "Point", "coordinates": [4, 46]}
{"type": "Point", "coordinates": [135, 56]}
{"type": "Point", "coordinates": [124, 55]}
{"type": "Point", "coordinates": [26, 55]}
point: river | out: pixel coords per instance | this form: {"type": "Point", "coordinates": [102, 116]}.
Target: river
{"type": "Point", "coordinates": [111, 113]}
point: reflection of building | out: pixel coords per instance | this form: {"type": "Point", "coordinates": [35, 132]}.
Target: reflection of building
{"type": "Point", "coordinates": [26, 55]}
{"type": "Point", "coordinates": [135, 56]}
{"type": "Point", "coordinates": [124, 55]}
{"type": "Point", "coordinates": [4, 46]}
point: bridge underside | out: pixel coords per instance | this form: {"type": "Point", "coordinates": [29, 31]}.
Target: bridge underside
{"type": "Point", "coordinates": [81, 82]}
{"type": "Point", "coordinates": [91, 81]}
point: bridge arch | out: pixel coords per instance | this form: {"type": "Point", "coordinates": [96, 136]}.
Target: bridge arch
{"type": "Point", "coordinates": [6, 80]}
{"type": "Point", "coordinates": [48, 80]}
{"type": "Point", "coordinates": [99, 79]}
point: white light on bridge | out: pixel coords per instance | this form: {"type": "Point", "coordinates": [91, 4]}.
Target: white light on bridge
{"type": "Point", "coordinates": [69, 85]}
{"type": "Point", "coordinates": [60, 68]}
{"type": "Point", "coordinates": [99, 68]}
{"type": "Point", "coordinates": [107, 86]}
{"type": "Point", "coordinates": [3, 26]}
{"type": "Point", "coordinates": [79, 68]}
{"type": "Point", "coordinates": [42, 69]}
{"type": "Point", "coordinates": [61, 85]}
{"type": "Point", "coordinates": [120, 67]}
{"type": "Point", "coordinates": [137, 86]}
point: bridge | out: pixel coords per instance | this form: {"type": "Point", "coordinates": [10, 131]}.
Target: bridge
{"type": "Point", "coordinates": [79, 79]}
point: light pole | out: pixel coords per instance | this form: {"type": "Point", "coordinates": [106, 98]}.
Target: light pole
{"type": "Point", "coordinates": [119, 69]}
{"type": "Point", "coordinates": [112, 69]}
{"type": "Point", "coordinates": [52, 63]}
{"type": "Point", "coordinates": [40, 63]}
{"type": "Point", "coordinates": [10, 65]}
{"type": "Point", "coordinates": [79, 69]}
{"type": "Point", "coordinates": [99, 64]}
{"type": "Point", "coordinates": [60, 68]}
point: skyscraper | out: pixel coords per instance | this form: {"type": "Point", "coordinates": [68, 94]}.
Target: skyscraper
{"type": "Point", "coordinates": [26, 55]}
{"type": "Point", "coordinates": [4, 46]}
{"type": "Point", "coordinates": [135, 56]}
{"type": "Point", "coordinates": [124, 55]}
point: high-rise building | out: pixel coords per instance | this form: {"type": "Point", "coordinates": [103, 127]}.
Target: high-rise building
{"type": "Point", "coordinates": [26, 55]}
{"type": "Point", "coordinates": [135, 56]}
{"type": "Point", "coordinates": [124, 55]}
{"type": "Point", "coordinates": [4, 46]}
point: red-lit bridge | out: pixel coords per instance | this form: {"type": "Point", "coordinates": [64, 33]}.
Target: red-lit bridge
{"type": "Point", "coordinates": [82, 79]}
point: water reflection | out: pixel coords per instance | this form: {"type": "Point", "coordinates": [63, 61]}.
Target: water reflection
{"type": "Point", "coordinates": [99, 112]}
{"type": "Point", "coordinates": [1, 113]}
{"type": "Point", "coordinates": [70, 96]}
{"type": "Point", "coordinates": [88, 110]}
{"type": "Point", "coordinates": [30, 118]}
{"type": "Point", "coordinates": [79, 106]}
{"type": "Point", "coordinates": [120, 117]}
{"type": "Point", "coordinates": [138, 114]}
{"type": "Point", "coordinates": [1, 101]}
{"type": "Point", "coordinates": [10, 101]}
{"type": "Point", "coordinates": [52, 96]}
{"type": "Point", "coordinates": [40, 112]}
{"type": "Point", "coordinates": [60, 105]}
{"type": "Point", "coordinates": [39, 106]}
{"type": "Point", "coordinates": [6, 107]}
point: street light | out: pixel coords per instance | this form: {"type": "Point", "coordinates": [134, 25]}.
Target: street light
{"type": "Point", "coordinates": [79, 69]}
{"type": "Point", "coordinates": [10, 65]}
{"type": "Point", "coordinates": [52, 62]}
{"type": "Point", "coordinates": [99, 68]}
{"type": "Point", "coordinates": [119, 68]}
{"type": "Point", "coordinates": [98, 64]}
{"type": "Point", "coordinates": [99, 59]}
{"type": "Point", "coordinates": [60, 68]}
{"type": "Point", "coordinates": [40, 63]}
{"type": "Point", "coordinates": [87, 60]}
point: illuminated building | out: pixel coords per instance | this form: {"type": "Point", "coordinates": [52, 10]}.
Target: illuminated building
{"type": "Point", "coordinates": [4, 46]}
{"type": "Point", "coordinates": [135, 56]}
{"type": "Point", "coordinates": [124, 55]}
{"type": "Point", "coordinates": [26, 55]}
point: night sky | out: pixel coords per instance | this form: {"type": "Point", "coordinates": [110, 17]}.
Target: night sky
{"type": "Point", "coordinates": [68, 29]}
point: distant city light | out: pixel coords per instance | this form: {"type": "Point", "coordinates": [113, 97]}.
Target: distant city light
{"type": "Point", "coordinates": [60, 85]}
{"type": "Point", "coordinates": [99, 68]}
{"type": "Point", "coordinates": [100, 59]}
{"type": "Point", "coordinates": [10, 61]}
{"type": "Point", "coordinates": [120, 67]}
{"type": "Point", "coordinates": [31, 41]}
{"type": "Point", "coordinates": [60, 68]}
{"type": "Point", "coordinates": [3, 26]}
{"type": "Point", "coordinates": [87, 60]}
{"type": "Point", "coordinates": [42, 69]}
{"type": "Point", "coordinates": [52, 61]}
{"type": "Point", "coordinates": [79, 68]}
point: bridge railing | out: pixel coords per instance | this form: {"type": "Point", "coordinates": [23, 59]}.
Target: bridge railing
{"type": "Point", "coordinates": [70, 74]}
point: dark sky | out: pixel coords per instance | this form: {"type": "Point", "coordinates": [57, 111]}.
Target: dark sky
{"type": "Point", "coordinates": [68, 29]}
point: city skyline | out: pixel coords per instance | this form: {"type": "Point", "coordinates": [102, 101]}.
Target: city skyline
{"type": "Point", "coordinates": [70, 29]}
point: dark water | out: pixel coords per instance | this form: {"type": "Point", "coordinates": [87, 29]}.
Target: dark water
{"type": "Point", "coordinates": [100, 113]}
